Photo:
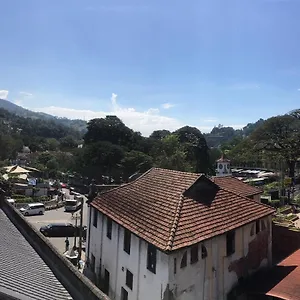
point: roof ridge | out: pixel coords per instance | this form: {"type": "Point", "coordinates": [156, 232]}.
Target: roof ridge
{"type": "Point", "coordinates": [175, 223]}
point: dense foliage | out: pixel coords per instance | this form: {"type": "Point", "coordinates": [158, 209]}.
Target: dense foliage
{"type": "Point", "coordinates": [112, 150]}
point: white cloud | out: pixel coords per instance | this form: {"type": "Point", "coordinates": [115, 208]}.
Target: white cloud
{"type": "Point", "coordinates": [26, 94]}
{"type": "Point", "coordinates": [18, 102]}
{"type": "Point", "coordinates": [167, 105]}
{"type": "Point", "coordinates": [3, 94]}
{"type": "Point", "coordinates": [144, 121]}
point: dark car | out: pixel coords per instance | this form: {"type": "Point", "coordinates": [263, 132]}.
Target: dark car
{"type": "Point", "coordinates": [62, 230]}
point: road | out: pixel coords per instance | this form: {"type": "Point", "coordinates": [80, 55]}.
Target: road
{"type": "Point", "coordinates": [58, 216]}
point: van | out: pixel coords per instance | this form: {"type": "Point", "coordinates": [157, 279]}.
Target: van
{"type": "Point", "coordinates": [33, 209]}
{"type": "Point", "coordinates": [11, 201]}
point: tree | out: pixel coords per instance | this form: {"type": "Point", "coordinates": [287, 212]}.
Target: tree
{"type": "Point", "coordinates": [196, 148]}
{"type": "Point", "coordinates": [171, 154]}
{"type": "Point", "coordinates": [280, 135]}
{"type": "Point", "coordinates": [102, 158]}
{"type": "Point", "coordinates": [134, 161]}
{"type": "Point", "coordinates": [68, 142]}
{"type": "Point", "coordinates": [110, 129]}
{"type": "Point", "coordinates": [159, 134]}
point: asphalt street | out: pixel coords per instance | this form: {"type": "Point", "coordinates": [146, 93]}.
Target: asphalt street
{"type": "Point", "coordinates": [58, 216]}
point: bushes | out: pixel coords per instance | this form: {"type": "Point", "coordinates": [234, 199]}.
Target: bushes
{"type": "Point", "coordinates": [274, 203]}
{"type": "Point", "coordinates": [25, 199]}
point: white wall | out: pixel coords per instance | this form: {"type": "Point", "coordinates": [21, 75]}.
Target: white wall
{"type": "Point", "coordinates": [209, 278]}
{"type": "Point", "coordinates": [146, 285]}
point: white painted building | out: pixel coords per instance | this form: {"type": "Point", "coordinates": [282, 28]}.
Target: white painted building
{"type": "Point", "coordinates": [223, 167]}
{"type": "Point", "coordinates": [145, 244]}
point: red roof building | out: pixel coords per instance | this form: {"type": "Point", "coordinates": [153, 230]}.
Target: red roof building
{"type": "Point", "coordinates": [179, 221]}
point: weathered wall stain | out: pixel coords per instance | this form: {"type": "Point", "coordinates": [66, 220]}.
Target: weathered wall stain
{"type": "Point", "coordinates": [258, 251]}
{"type": "Point", "coordinates": [168, 294]}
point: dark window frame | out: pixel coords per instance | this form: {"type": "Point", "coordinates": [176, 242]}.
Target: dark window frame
{"type": "Point", "coordinates": [127, 241]}
{"type": "Point", "coordinates": [257, 226]}
{"type": "Point", "coordinates": [124, 294]}
{"type": "Point", "coordinates": [230, 242]}
{"type": "Point", "coordinates": [129, 279]}
{"type": "Point", "coordinates": [93, 263]}
{"type": "Point", "coordinates": [203, 252]}
{"type": "Point", "coordinates": [183, 262]}
{"type": "Point", "coordinates": [151, 258]}
{"type": "Point", "coordinates": [95, 217]}
{"type": "Point", "coordinates": [109, 227]}
{"type": "Point", "coordinates": [194, 254]}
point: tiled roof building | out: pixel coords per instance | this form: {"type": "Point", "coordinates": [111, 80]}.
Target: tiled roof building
{"type": "Point", "coordinates": [160, 207]}
{"type": "Point", "coordinates": [160, 236]}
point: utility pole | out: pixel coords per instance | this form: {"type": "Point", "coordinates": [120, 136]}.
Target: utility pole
{"type": "Point", "coordinates": [80, 233]}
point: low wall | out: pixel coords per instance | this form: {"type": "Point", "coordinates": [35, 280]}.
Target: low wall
{"type": "Point", "coordinates": [285, 242]}
{"type": "Point", "coordinates": [79, 287]}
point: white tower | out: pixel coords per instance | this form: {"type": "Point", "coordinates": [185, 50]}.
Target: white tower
{"type": "Point", "coordinates": [223, 167]}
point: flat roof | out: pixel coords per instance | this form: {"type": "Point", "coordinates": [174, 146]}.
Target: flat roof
{"type": "Point", "coordinates": [24, 274]}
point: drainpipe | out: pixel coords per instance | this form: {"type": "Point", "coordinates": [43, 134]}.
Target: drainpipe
{"type": "Point", "coordinates": [139, 271]}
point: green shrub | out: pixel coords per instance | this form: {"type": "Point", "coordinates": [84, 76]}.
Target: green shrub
{"type": "Point", "coordinates": [18, 196]}
{"type": "Point", "coordinates": [274, 203]}
{"type": "Point", "coordinates": [41, 199]}
{"type": "Point", "coordinates": [25, 200]}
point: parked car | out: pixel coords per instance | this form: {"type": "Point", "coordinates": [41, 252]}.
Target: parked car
{"type": "Point", "coordinates": [62, 230]}
{"type": "Point", "coordinates": [33, 209]}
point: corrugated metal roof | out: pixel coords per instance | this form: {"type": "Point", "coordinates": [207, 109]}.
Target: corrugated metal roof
{"type": "Point", "coordinates": [23, 272]}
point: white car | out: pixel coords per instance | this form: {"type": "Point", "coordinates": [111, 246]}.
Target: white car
{"type": "Point", "coordinates": [33, 209]}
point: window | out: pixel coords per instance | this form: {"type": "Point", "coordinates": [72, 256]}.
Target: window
{"type": "Point", "coordinates": [106, 282]}
{"type": "Point", "coordinates": [93, 263]}
{"type": "Point", "coordinates": [151, 258]}
{"type": "Point", "coordinates": [95, 217]}
{"type": "Point", "coordinates": [203, 252]}
{"type": "Point", "coordinates": [183, 260]}
{"type": "Point", "coordinates": [230, 242]}
{"type": "Point", "coordinates": [252, 230]}
{"type": "Point", "coordinates": [257, 226]}
{"type": "Point", "coordinates": [127, 241]}
{"type": "Point", "coordinates": [194, 254]}
{"type": "Point", "coordinates": [108, 228]}
{"type": "Point", "coordinates": [124, 294]}
{"type": "Point", "coordinates": [263, 225]}
{"type": "Point", "coordinates": [129, 279]}
{"type": "Point", "coordinates": [175, 265]}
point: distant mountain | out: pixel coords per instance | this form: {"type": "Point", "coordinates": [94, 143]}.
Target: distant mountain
{"type": "Point", "coordinates": [221, 134]}
{"type": "Point", "coordinates": [79, 125]}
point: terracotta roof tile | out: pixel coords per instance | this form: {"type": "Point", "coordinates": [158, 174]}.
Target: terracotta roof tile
{"type": "Point", "coordinates": [282, 281]}
{"type": "Point", "coordinates": [156, 208]}
{"type": "Point", "coordinates": [237, 186]}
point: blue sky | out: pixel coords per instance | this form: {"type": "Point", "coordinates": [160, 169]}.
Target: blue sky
{"type": "Point", "coordinates": [156, 64]}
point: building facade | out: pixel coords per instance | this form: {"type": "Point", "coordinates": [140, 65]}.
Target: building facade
{"type": "Point", "coordinates": [130, 262]}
